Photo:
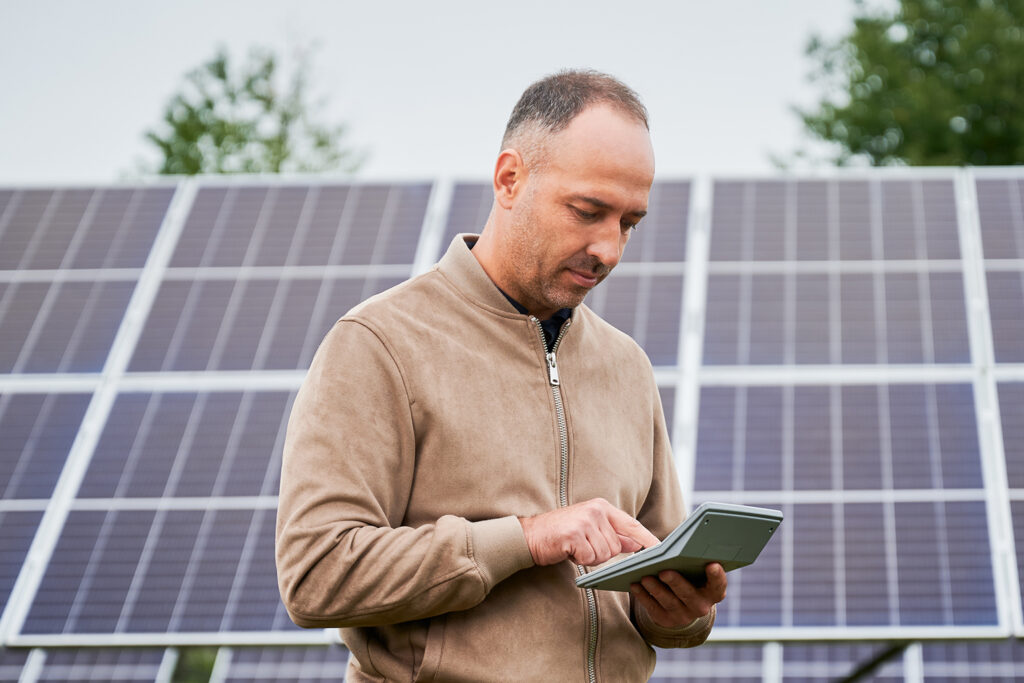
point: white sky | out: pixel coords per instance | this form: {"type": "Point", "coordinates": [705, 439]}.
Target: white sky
{"type": "Point", "coordinates": [426, 87]}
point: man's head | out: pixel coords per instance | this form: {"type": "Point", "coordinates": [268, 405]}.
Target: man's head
{"type": "Point", "coordinates": [549, 106]}
{"type": "Point", "coordinates": [570, 184]}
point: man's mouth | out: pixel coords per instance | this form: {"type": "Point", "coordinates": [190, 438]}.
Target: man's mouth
{"type": "Point", "coordinates": [583, 279]}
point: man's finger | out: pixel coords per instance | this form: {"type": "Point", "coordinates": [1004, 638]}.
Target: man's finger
{"type": "Point", "coordinates": [714, 589]}
{"type": "Point", "coordinates": [630, 527]}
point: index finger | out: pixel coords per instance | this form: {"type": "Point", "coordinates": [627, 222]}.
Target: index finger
{"type": "Point", "coordinates": [632, 528]}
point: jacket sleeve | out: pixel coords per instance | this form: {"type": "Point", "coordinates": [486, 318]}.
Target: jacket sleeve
{"type": "Point", "coordinates": [343, 558]}
{"type": "Point", "coordinates": [663, 511]}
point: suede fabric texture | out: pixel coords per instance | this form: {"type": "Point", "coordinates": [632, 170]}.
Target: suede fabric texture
{"type": "Point", "coordinates": [425, 427]}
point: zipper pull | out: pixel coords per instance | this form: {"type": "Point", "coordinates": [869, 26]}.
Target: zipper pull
{"type": "Point", "coordinates": [552, 370]}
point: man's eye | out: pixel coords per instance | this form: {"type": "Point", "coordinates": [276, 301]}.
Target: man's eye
{"type": "Point", "coordinates": [626, 226]}
{"type": "Point", "coordinates": [585, 215]}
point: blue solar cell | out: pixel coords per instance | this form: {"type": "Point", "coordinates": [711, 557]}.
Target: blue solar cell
{"type": "Point", "coordinates": [17, 529]}
{"type": "Point", "coordinates": [814, 564]}
{"type": "Point", "coordinates": [1006, 309]}
{"type": "Point", "coordinates": [826, 662]}
{"type": "Point", "coordinates": [226, 324]}
{"type": "Point", "coordinates": [291, 664]}
{"type": "Point", "coordinates": [126, 665]}
{"type": "Point", "coordinates": [732, 663]}
{"type": "Point", "coordinates": [661, 235]}
{"type": "Point", "coordinates": [647, 308]}
{"type": "Point", "coordinates": [220, 443]}
{"type": "Point", "coordinates": [854, 220]}
{"type": "Point", "coordinates": [36, 433]}
{"type": "Point", "coordinates": [1001, 215]}
{"type": "Point", "coordinates": [1011, 408]}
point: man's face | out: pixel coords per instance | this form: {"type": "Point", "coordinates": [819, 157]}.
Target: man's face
{"type": "Point", "coordinates": [571, 221]}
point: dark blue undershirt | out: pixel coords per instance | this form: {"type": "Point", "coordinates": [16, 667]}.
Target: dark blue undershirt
{"type": "Point", "coordinates": [552, 326]}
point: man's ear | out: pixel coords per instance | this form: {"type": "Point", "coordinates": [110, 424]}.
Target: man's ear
{"type": "Point", "coordinates": [509, 177]}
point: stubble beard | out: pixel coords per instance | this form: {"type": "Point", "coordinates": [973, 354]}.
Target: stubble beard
{"type": "Point", "coordinates": [539, 290]}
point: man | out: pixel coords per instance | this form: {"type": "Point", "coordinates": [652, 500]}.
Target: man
{"type": "Point", "coordinates": [467, 443]}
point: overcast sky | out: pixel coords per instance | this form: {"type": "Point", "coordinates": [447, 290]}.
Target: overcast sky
{"type": "Point", "coordinates": [426, 87]}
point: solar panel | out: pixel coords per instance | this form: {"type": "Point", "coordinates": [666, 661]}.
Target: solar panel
{"type": "Point", "coordinates": [817, 343]}
{"type": "Point", "coordinates": [289, 665]}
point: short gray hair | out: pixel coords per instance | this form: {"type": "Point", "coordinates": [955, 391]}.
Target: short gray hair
{"type": "Point", "coordinates": [550, 104]}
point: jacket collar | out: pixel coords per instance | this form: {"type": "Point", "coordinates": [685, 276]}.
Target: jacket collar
{"type": "Point", "coordinates": [462, 269]}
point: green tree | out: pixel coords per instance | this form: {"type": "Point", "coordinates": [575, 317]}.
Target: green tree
{"type": "Point", "coordinates": [930, 82]}
{"type": "Point", "coordinates": [240, 120]}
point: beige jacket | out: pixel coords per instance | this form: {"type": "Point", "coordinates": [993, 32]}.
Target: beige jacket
{"type": "Point", "coordinates": [428, 422]}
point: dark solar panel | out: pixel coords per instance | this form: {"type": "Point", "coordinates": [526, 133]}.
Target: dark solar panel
{"type": "Point", "coordinates": [828, 662]}
{"type": "Point", "coordinates": [809, 318]}
{"type": "Point", "coordinates": [920, 436]}
{"type": "Point", "coordinates": [869, 564]}
{"type": "Point", "coordinates": [287, 664]}
{"type": "Point", "coordinates": [143, 571]}
{"type": "Point", "coordinates": [208, 444]}
{"type": "Point", "coordinates": [780, 220]}
{"type": "Point", "coordinates": [646, 307]}
{"type": "Point", "coordinates": [713, 661]}
{"type": "Point", "coordinates": [102, 664]}
{"type": "Point", "coordinates": [36, 433]}
{"type": "Point", "coordinates": [1001, 214]}
{"type": "Point", "coordinates": [17, 529]}
{"type": "Point", "coordinates": [1011, 408]}
{"type": "Point", "coordinates": [298, 225]}
{"type": "Point", "coordinates": [973, 661]}
{"type": "Point", "coordinates": [661, 235]}
{"type": "Point", "coordinates": [1006, 309]}
{"type": "Point", "coordinates": [59, 326]}
{"type": "Point", "coordinates": [257, 324]}
{"type": "Point", "coordinates": [81, 228]}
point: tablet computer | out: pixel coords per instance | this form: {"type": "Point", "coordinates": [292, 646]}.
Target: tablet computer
{"type": "Point", "coordinates": [732, 535]}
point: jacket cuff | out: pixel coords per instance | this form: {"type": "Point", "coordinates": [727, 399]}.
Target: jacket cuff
{"type": "Point", "coordinates": [499, 548]}
{"type": "Point", "coordinates": [690, 635]}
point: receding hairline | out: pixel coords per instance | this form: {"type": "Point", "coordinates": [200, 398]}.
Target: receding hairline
{"type": "Point", "coordinates": [550, 104]}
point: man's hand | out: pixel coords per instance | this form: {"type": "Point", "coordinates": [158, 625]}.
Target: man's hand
{"type": "Point", "coordinates": [672, 602]}
{"type": "Point", "coordinates": [587, 533]}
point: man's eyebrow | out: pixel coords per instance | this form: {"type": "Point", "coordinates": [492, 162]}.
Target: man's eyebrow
{"type": "Point", "coordinates": [601, 204]}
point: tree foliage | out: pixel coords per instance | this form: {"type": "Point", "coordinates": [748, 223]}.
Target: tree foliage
{"type": "Point", "coordinates": [932, 82]}
{"type": "Point", "coordinates": [239, 120]}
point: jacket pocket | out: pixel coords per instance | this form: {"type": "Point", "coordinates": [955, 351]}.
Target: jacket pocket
{"type": "Point", "coordinates": [434, 649]}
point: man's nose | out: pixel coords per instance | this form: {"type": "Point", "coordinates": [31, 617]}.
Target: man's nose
{"type": "Point", "coordinates": [607, 244]}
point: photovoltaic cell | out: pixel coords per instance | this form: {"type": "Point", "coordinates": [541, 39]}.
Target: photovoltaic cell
{"type": "Point", "coordinates": [17, 529]}
{"type": "Point", "coordinates": [786, 220]}
{"type": "Point", "coordinates": [1011, 409]}
{"type": "Point", "coordinates": [185, 444]}
{"type": "Point", "coordinates": [973, 661]}
{"type": "Point", "coordinates": [80, 228]}
{"type": "Point", "coordinates": [287, 664]}
{"type": "Point", "coordinates": [827, 662]}
{"type": "Point", "coordinates": [144, 571]}
{"type": "Point", "coordinates": [1006, 309]}
{"type": "Point", "coordinates": [914, 436]}
{"type": "Point", "coordinates": [59, 326]}
{"type": "Point", "coordinates": [1001, 215]}
{"type": "Point", "coordinates": [646, 307]}
{"type": "Point", "coordinates": [661, 235]}
{"type": "Point", "coordinates": [140, 665]}
{"type": "Point", "coordinates": [710, 662]}
{"type": "Point", "coordinates": [12, 662]}
{"type": "Point", "coordinates": [760, 318]}
{"type": "Point", "coordinates": [893, 564]}
{"type": "Point", "coordinates": [299, 225]}
{"type": "Point", "coordinates": [245, 324]}
{"type": "Point", "coordinates": [36, 433]}
{"type": "Point", "coordinates": [468, 209]}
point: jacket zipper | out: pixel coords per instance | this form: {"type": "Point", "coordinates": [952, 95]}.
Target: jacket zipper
{"type": "Point", "coordinates": [563, 482]}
